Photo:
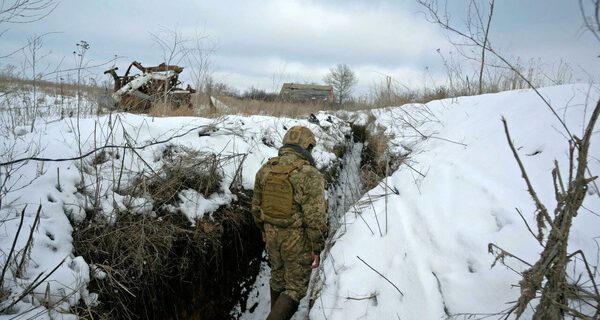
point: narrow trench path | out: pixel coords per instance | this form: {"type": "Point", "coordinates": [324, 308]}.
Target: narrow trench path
{"type": "Point", "coordinates": [343, 192]}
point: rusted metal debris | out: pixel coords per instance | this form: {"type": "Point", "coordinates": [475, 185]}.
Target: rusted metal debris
{"type": "Point", "coordinates": [137, 92]}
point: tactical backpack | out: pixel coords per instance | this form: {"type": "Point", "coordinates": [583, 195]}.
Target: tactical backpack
{"type": "Point", "coordinates": [278, 194]}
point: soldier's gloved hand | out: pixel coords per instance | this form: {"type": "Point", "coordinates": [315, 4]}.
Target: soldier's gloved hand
{"type": "Point", "coordinates": [264, 237]}
{"type": "Point", "coordinates": [316, 260]}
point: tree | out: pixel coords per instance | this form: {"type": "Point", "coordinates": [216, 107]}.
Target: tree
{"type": "Point", "coordinates": [198, 59]}
{"type": "Point", "coordinates": [172, 44]}
{"type": "Point", "coordinates": [342, 79]}
{"type": "Point", "coordinates": [32, 59]}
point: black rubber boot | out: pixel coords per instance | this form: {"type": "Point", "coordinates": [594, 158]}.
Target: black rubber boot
{"type": "Point", "coordinates": [284, 308]}
{"type": "Point", "coordinates": [274, 296]}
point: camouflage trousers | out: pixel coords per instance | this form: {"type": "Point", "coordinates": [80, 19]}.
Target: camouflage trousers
{"type": "Point", "coordinates": [290, 260]}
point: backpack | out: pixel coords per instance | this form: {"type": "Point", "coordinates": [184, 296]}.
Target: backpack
{"type": "Point", "coordinates": [278, 193]}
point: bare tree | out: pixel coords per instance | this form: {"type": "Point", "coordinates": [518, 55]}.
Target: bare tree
{"type": "Point", "coordinates": [486, 31]}
{"type": "Point", "coordinates": [172, 44]}
{"type": "Point", "coordinates": [33, 57]}
{"type": "Point", "coordinates": [342, 79]}
{"type": "Point", "coordinates": [198, 59]}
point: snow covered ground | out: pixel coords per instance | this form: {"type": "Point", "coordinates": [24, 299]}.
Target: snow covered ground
{"type": "Point", "coordinates": [460, 195]}
{"type": "Point", "coordinates": [428, 237]}
{"type": "Point", "coordinates": [55, 186]}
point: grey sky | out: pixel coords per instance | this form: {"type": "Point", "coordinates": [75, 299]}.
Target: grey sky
{"type": "Point", "coordinates": [264, 43]}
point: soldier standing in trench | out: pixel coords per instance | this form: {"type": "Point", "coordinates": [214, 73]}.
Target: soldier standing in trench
{"type": "Point", "coordinates": [289, 208]}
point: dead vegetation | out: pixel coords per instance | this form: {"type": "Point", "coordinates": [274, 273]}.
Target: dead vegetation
{"type": "Point", "coordinates": [273, 108]}
{"type": "Point", "coordinates": [560, 293]}
{"type": "Point", "coordinates": [376, 162]}
{"type": "Point", "coordinates": [183, 169]}
{"type": "Point", "coordinates": [159, 266]}
{"type": "Point", "coordinates": [51, 88]}
{"type": "Point", "coordinates": [161, 109]}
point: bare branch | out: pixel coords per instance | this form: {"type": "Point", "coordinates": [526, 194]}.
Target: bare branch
{"type": "Point", "coordinates": [106, 146]}
{"type": "Point", "coordinates": [503, 253]}
{"type": "Point", "coordinates": [443, 21]}
{"type": "Point", "coordinates": [591, 23]}
{"type": "Point", "coordinates": [12, 248]}
{"type": "Point", "coordinates": [542, 211]}
{"type": "Point", "coordinates": [379, 273]}
{"type": "Point", "coordinates": [26, 11]}
{"type": "Point", "coordinates": [485, 44]}
{"type": "Point", "coordinates": [529, 228]}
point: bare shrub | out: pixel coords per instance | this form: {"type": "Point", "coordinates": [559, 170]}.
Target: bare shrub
{"type": "Point", "coordinates": [259, 94]}
{"type": "Point", "coordinates": [548, 279]}
{"type": "Point", "coordinates": [183, 169]}
{"type": "Point", "coordinates": [390, 92]}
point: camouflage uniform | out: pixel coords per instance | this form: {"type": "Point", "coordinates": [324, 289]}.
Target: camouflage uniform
{"type": "Point", "coordinates": [291, 240]}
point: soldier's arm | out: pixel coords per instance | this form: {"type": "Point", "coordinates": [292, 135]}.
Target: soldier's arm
{"type": "Point", "coordinates": [313, 208]}
{"type": "Point", "coordinates": [256, 197]}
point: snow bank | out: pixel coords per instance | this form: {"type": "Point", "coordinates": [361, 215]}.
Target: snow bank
{"type": "Point", "coordinates": [460, 194]}
{"type": "Point", "coordinates": [457, 192]}
{"type": "Point", "coordinates": [57, 187]}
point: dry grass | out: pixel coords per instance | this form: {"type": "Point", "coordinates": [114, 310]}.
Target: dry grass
{"type": "Point", "coordinates": [375, 158]}
{"type": "Point", "coordinates": [161, 109]}
{"type": "Point", "coordinates": [161, 266]}
{"type": "Point", "coordinates": [376, 162]}
{"type": "Point", "coordinates": [49, 87]}
{"type": "Point", "coordinates": [182, 169]}
{"type": "Point", "coordinates": [272, 108]}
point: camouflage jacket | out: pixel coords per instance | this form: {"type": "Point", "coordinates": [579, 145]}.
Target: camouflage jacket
{"type": "Point", "coordinates": [308, 211]}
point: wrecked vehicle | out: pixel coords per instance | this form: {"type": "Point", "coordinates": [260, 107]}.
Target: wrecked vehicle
{"type": "Point", "coordinates": [155, 84]}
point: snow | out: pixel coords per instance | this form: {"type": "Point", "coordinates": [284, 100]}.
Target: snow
{"type": "Point", "coordinates": [57, 187]}
{"type": "Point", "coordinates": [434, 247]}
{"type": "Point", "coordinates": [427, 232]}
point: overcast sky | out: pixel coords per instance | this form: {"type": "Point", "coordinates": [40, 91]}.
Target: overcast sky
{"type": "Point", "coordinates": [265, 43]}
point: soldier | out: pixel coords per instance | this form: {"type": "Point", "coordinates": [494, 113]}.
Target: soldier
{"type": "Point", "coordinates": [289, 208]}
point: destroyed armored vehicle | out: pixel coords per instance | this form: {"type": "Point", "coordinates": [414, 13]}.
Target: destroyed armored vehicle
{"type": "Point", "coordinates": [137, 92]}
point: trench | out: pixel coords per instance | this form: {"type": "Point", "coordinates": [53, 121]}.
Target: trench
{"type": "Point", "coordinates": [218, 269]}
{"type": "Point", "coordinates": [344, 188]}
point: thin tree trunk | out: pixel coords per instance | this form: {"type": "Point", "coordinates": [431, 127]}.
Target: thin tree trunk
{"type": "Point", "coordinates": [485, 42]}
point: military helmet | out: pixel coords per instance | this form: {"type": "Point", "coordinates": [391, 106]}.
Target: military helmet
{"type": "Point", "coordinates": [301, 136]}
